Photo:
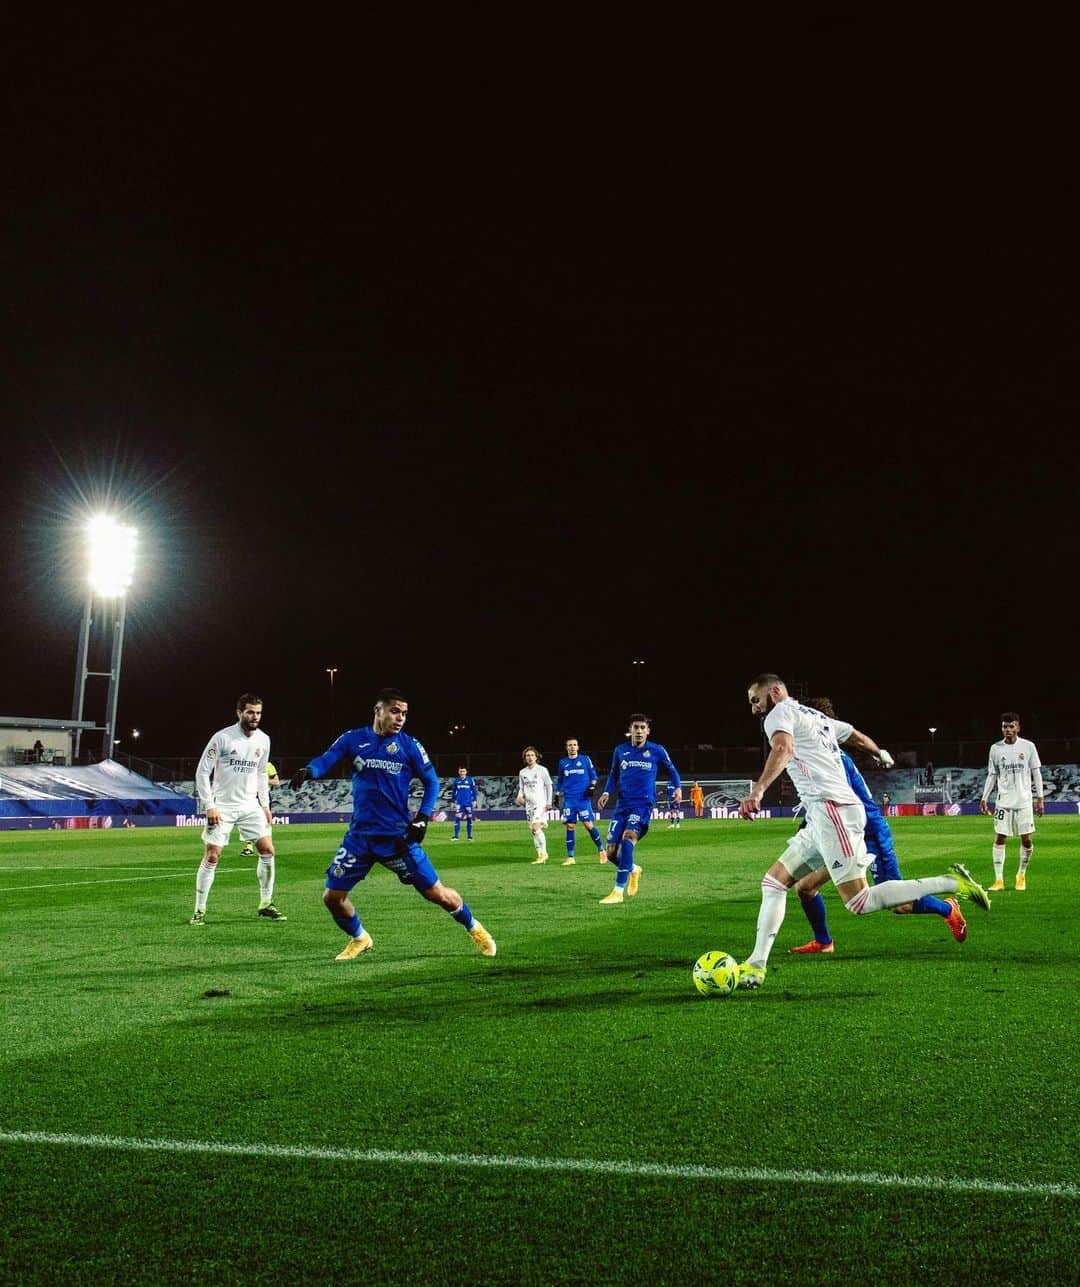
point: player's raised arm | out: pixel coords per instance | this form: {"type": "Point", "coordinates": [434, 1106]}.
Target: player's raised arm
{"type": "Point", "coordinates": [861, 742]}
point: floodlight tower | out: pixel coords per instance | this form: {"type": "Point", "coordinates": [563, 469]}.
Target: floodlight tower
{"type": "Point", "coordinates": [112, 569]}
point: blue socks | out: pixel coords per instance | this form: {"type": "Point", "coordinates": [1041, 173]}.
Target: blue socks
{"type": "Point", "coordinates": [351, 925]}
{"type": "Point", "coordinates": [815, 914]}
{"type": "Point", "coordinates": [928, 905]}
{"type": "Point", "coordinates": [464, 916]}
{"type": "Point", "coordinates": [596, 838]}
{"type": "Point", "coordinates": [626, 863]}
{"type": "Point", "coordinates": [569, 843]}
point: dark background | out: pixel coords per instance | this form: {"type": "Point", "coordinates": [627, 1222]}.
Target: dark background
{"type": "Point", "coordinates": [484, 362]}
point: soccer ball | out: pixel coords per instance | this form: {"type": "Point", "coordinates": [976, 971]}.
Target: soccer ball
{"type": "Point", "coordinates": [716, 974]}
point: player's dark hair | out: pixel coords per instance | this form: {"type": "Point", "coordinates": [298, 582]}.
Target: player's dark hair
{"type": "Point", "coordinates": [1010, 717]}
{"type": "Point", "coordinates": [248, 699]}
{"type": "Point", "coordinates": [539, 757]}
{"type": "Point", "coordinates": [824, 705]}
{"type": "Point", "coordinates": [639, 717]}
{"type": "Point", "coordinates": [463, 766]}
{"type": "Point", "coordinates": [766, 680]}
{"type": "Point", "coordinates": [387, 695]}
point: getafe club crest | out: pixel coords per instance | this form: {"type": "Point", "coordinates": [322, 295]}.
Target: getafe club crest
{"type": "Point", "coordinates": [646, 754]}
{"type": "Point", "coordinates": [392, 748]}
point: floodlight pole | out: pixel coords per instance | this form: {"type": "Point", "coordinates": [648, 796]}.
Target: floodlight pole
{"type": "Point", "coordinates": [78, 700]}
{"type": "Point", "coordinates": [113, 697]}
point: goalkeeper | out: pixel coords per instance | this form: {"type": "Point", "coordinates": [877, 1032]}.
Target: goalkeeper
{"type": "Point", "coordinates": [385, 760]}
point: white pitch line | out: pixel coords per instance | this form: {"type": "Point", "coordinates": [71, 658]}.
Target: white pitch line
{"type": "Point", "coordinates": [120, 880]}
{"type": "Point", "coordinates": [587, 1166]}
{"type": "Point", "coordinates": [4, 871]}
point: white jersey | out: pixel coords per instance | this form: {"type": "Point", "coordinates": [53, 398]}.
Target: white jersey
{"type": "Point", "coordinates": [238, 763]}
{"type": "Point", "coordinates": [815, 769]}
{"type": "Point", "coordinates": [1016, 771]}
{"type": "Point", "coordinates": [535, 785]}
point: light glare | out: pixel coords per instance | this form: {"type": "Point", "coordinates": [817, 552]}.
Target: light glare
{"type": "Point", "coordinates": [112, 556]}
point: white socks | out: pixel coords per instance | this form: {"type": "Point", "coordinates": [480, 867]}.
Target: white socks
{"type": "Point", "coordinates": [770, 918]}
{"type": "Point", "coordinates": [1025, 858]}
{"type": "Point", "coordinates": [540, 843]}
{"type": "Point", "coordinates": [891, 893]}
{"type": "Point", "coordinates": [265, 872]}
{"type": "Point", "coordinates": [203, 880]}
{"type": "Point", "coordinates": [999, 862]}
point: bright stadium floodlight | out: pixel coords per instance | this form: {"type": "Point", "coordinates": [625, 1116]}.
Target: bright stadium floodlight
{"type": "Point", "coordinates": [112, 570]}
{"type": "Point", "coordinates": [112, 556]}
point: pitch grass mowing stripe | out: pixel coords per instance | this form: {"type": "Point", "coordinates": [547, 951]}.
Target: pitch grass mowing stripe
{"type": "Point", "coordinates": [651, 1170]}
{"type": "Point", "coordinates": [117, 880]}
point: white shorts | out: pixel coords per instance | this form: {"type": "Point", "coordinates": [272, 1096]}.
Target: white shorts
{"type": "Point", "coordinates": [536, 813]}
{"type": "Point", "coordinates": [250, 823]}
{"type": "Point", "coordinates": [832, 839]}
{"type": "Point", "coordinates": [1014, 822]}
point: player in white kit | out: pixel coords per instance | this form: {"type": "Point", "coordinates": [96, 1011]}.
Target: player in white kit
{"type": "Point", "coordinates": [807, 744]}
{"type": "Point", "coordinates": [1016, 772]}
{"type": "Point", "coordinates": [232, 790]}
{"type": "Point", "coordinates": [534, 792]}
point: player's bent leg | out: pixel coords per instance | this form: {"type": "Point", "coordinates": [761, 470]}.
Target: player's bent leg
{"type": "Point", "coordinates": [808, 888]}
{"type": "Point", "coordinates": [451, 901]}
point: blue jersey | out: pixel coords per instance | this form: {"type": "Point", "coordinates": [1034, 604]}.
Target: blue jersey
{"type": "Point", "coordinates": [465, 792]}
{"type": "Point", "coordinates": [634, 770]}
{"type": "Point", "coordinates": [878, 835]}
{"type": "Point", "coordinates": [384, 766]}
{"type": "Point", "coordinates": [576, 778]}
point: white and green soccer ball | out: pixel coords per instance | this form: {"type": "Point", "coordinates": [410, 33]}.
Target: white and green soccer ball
{"type": "Point", "coordinates": [716, 974]}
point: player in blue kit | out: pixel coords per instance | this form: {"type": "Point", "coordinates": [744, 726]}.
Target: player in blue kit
{"type": "Point", "coordinates": [385, 760]}
{"type": "Point", "coordinates": [465, 797]}
{"type": "Point", "coordinates": [885, 866]}
{"type": "Point", "coordinates": [575, 782]}
{"type": "Point", "coordinates": [634, 766]}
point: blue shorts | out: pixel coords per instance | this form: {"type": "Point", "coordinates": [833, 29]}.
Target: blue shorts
{"type": "Point", "coordinates": [879, 842]}
{"type": "Point", "coordinates": [358, 854]}
{"type": "Point", "coordinates": [581, 812]}
{"type": "Point", "coordinates": [463, 811]}
{"type": "Point", "coordinates": [633, 818]}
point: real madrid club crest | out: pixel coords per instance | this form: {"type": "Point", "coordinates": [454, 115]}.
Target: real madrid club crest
{"type": "Point", "coordinates": [391, 748]}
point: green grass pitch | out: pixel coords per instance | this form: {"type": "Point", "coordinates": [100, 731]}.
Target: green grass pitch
{"type": "Point", "coordinates": [570, 1111]}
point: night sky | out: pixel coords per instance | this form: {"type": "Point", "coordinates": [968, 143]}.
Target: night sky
{"type": "Point", "coordinates": [485, 378]}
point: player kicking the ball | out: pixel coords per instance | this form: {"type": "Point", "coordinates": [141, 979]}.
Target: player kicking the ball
{"type": "Point", "coordinates": [884, 864]}
{"type": "Point", "coordinates": [807, 744]}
